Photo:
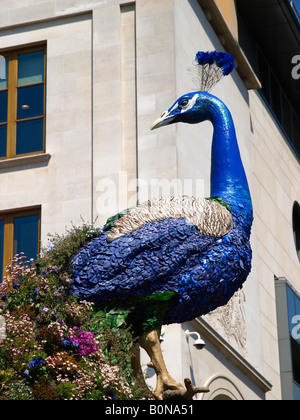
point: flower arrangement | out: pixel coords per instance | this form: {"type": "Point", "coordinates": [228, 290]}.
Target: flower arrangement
{"type": "Point", "coordinates": [55, 347]}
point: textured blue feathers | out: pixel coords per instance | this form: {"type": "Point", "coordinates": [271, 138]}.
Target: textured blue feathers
{"type": "Point", "coordinates": [223, 60]}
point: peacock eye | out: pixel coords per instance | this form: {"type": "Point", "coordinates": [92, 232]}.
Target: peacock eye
{"type": "Point", "coordinates": [184, 103]}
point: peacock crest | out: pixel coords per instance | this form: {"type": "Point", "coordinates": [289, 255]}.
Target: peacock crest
{"type": "Point", "coordinates": [210, 67]}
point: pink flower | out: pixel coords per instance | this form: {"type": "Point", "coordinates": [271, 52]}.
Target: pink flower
{"type": "Point", "coordinates": [85, 342]}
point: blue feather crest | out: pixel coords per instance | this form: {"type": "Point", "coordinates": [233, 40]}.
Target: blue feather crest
{"type": "Point", "coordinates": [224, 61]}
{"type": "Point", "coordinates": [211, 67]}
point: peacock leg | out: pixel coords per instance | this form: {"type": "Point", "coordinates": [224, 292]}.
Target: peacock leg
{"type": "Point", "coordinates": [149, 341]}
{"type": "Point", "coordinates": [136, 362]}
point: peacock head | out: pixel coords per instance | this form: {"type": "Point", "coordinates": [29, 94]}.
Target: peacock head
{"type": "Point", "coordinates": [209, 68]}
{"type": "Point", "coordinates": [191, 108]}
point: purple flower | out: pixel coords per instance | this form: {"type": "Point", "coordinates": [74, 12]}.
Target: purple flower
{"type": "Point", "coordinates": [66, 343]}
{"type": "Point", "coordinates": [110, 395]}
{"type": "Point", "coordinates": [34, 363]}
{"type": "Point", "coordinates": [70, 343]}
{"type": "Point", "coordinates": [83, 342]}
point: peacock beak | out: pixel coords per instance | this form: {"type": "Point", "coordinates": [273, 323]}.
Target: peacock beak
{"type": "Point", "coordinates": [165, 119]}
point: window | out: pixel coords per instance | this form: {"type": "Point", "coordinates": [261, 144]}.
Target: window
{"type": "Point", "coordinates": [22, 102]}
{"type": "Point", "coordinates": [282, 109]}
{"type": "Point", "coordinates": [295, 347]}
{"type": "Point", "coordinates": [296, 227]}
{"type": "Point", "coordinates": [288, 322]}
{"type": "Point", "coordinates": [296, 7]}
{"type": "Point", "coordinates": [19, 232]}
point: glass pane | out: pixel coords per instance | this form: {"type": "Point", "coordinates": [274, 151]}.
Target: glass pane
{"type": "Point", "coordinates": [296, 132]}
{"type": "Point", "coordinates": [297, 319]}
{"type": "Point", "coordinates": [275, 98]}
{"type": "Point", "coordinates": [3, 131]}
{"type": "Point", "coordinates": [30, 136]}
{"type": "Point", "coordinates": [264, 76]}
{"type": "Point", "coordinates": [1, 247]}
{"type": "Point", "coordinates": [3, 72]}
{"type": "Point", "coordinates": [30, 102]}
{"type": "Point", "coordinates": [26, 231]}
{"type": "Point", "coordinates": [3, 106]}
{"type": "Point", "coordinates": [291, 303]}
{"type": "Point", "coordinates": [296, 6]}
{"type": "Point", "coordinates": [30, 68]}
{"type": "Point", "coordinates": [287, 124]}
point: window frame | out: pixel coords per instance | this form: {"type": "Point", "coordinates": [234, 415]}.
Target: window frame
{"type": "Point", "coordinates": [271, 87]}
{"type": "Point", "coordinates": [287, 311]}
{"type": "Point", "coordinates": [8, 236]}
{"type": "Point", "coordinates": [296, 227]}
{"type": "Point", "coordinates": [12, 93]}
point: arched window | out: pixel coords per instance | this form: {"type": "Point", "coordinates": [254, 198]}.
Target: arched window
{"type": "Point", "coordinates": [296, 227]}
{"type": "Point", "coordinates": [222, 397]}
{"type": "Point", "coordinates": [222, 388]}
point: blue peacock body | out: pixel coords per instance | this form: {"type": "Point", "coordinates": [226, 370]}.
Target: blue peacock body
{"type": "Point", "coordinates": [164, 265]}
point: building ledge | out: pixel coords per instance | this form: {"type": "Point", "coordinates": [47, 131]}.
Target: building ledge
{"type": "Point", "coordinates": [229, 42]}
{"type": "Point", "coordinates": [31, 160]}
{"type": "Point", "coordinates": [233, 355]}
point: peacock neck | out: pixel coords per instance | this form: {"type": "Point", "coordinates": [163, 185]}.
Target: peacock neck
{"type": "Point", "coordinates": [228, 178]}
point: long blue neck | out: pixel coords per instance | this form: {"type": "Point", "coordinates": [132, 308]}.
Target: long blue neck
{"type": "Point", "coordinates": [228, 178]}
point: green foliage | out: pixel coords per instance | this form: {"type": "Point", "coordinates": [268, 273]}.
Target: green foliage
{"type": "Point", "coordinates": [143, 313]}
{"type": "Point", "coordinates": [18, 390]}
{"type": "Point", "coordinates": [61, 249]}
{"type": "Point", "coordinates": [55, 347]}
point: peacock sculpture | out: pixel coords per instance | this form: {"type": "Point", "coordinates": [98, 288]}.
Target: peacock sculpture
{"type": "Point", "coordinates": [173, 259]}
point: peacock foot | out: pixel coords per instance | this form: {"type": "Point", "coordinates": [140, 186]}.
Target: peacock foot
{"type": "Point", "coordinates": [166, 386]}
{"type": "Point", "coordinates": [164, 383]}
{"type": "Point", "coordinates": [184, 394]}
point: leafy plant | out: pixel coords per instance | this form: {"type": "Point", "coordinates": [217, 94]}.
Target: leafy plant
{"type": "Point", "coordinates": [56, 347]}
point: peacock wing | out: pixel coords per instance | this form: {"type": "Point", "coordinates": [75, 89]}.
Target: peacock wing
{"type": "Point", "coordinates": [212, 216]}
{"type": "Point", "coordinates": [145, 261]}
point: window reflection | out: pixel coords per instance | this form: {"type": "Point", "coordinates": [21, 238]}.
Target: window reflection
{"type": "Point", "coordinates": [3, 106]}
{"type": "Point", "coordinates": [31, 68]}
{"type": "Point", "coordinates": [3, 72]}
{"type": "Point", "coordinates": [30, 136]}
{"type": "Point", "coordinates": [296, 7]}
{"type": "Point", "coordinates": [25, 235]}
{"type": "Point", "coordinates": [30, 102]}
{"type": "Point", "coordinates": [3, 133]}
